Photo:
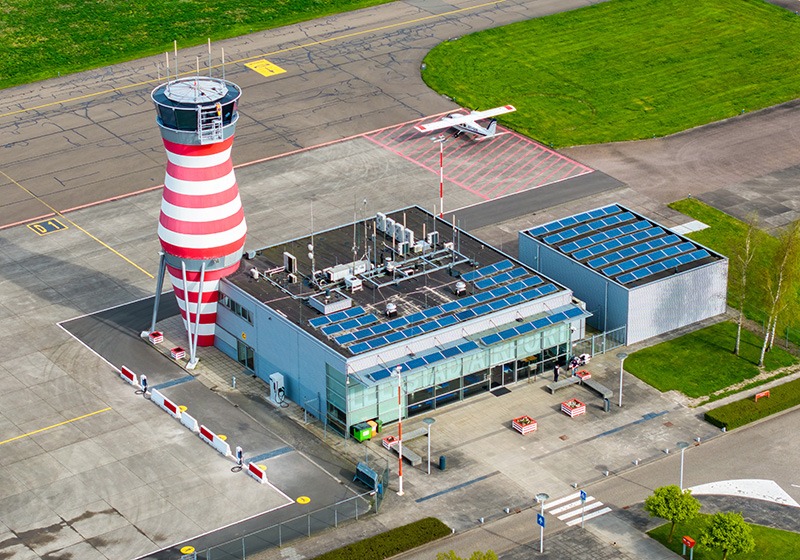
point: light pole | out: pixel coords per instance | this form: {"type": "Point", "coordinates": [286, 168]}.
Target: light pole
{"type": "Point", "coordinates": [682, 445]}
{"type": "Point", "coordinates": [541, 497]}
{"type": "Point", "coordinates": [429, 422]}
{"type": "Point", "coordinates": [399, 429]}
{"type": "Point", "coordinates": [441, 139]}
{"type": "Point", "coordinates": [621, 356]}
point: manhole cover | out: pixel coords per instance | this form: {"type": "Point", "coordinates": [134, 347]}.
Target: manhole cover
{"type": "Point", "coordinates": [563, 438]}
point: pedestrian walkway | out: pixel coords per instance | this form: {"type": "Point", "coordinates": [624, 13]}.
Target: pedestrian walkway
{"type": "Point", "coordinates": [572, 511]}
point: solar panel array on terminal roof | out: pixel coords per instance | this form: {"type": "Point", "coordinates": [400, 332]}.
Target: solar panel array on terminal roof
{"type": "Point", "coordinates": [509, 285]}
{"type": "Point", "coordinates": [622, 245]}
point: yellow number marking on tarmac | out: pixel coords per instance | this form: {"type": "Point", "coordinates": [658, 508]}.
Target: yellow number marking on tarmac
{"type": "Point", "coordinates": [303, 500]}
{"type": "Point", "coordinates": [45, 227]}
{"type": "Point", "coordinates": [265, 68]}
{"type": "Point", "coordinates": [40, 430]}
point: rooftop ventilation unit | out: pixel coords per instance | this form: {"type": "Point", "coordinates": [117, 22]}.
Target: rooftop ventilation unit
{"type": "Point", "coordinates": [461, 288]}
{"type": "Point", "coordinates": [389, 227]}
{"type": "Point", "coordinates": [391, 309]}
{"type": "Point", "coordinates": [254, 273]}
{"type": "Point", "coordinates": [408, 237]}
{"type": "Point", "coordinates": [433, 238]}
{"type": "Point", "coordinates": [289, 263]}
{"type": "Point", "coordinates": [353, 283]}
{"type": "Point", "coordinates": [399, 231]}
{"type": "Point", "coordinates": [380, 221]}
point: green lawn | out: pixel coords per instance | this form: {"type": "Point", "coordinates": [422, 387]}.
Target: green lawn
{"type": "Point", "coordinates": [725, 235]}
{"type": "Point", "coordinates": [40, 38]}
{"type": "Point", "coordinates": [701, 362]}
{"type": "Point", "coordinates": [770, 543]}
{"type": "Point", "coordinates": [625, 69]}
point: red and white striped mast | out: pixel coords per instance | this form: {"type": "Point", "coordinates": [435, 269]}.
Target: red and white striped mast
{"type": "Point", "coordinates": [441, 139]}
{"type": "Point", "coordinates": [202, 227]}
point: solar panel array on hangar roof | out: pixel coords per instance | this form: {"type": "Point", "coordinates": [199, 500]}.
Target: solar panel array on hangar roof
{"type": "Point", "coordinates": [622, 245]}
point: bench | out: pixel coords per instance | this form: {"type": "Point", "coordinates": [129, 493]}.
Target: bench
{"type": "Point", "coordinates": [566, 382]}
{"type": "Point", "coordinates": [604, 391]}
{"type": "Point", "coordinates": [391, 443]}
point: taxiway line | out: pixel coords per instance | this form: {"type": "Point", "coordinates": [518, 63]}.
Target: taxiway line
{"type": "Point", "coordinates": [40, 430]}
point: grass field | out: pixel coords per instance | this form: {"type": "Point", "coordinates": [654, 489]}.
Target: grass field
{"type": "Point", "coordinates": [701, 362]}
{"type": "Point", "coordinates": [725, 234]}
{"type": "Point", "coordinates": [41, 38]}
{"type": "Point", "coordinates": [770, 543]}
{"type": "Point", "coordinates": [625, 69]}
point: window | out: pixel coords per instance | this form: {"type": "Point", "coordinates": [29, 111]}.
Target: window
{"type": "Point", "coordinates": [236, 308]}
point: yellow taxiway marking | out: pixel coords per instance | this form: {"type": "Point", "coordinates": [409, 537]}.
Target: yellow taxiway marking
{"type": "Point", "coordinates": [265, 68]}
{"type": "Point", "coordinates": [40, 430]}
{"type": "Point", "coordinates": [273, 53]}
{"type": "Point", "coordinates": [76, 226]}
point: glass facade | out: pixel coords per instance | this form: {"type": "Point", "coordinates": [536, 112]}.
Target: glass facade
{"type": "Point", "coordinates": [458, 378]}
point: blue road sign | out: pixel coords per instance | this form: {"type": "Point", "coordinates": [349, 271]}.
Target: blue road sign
{"type": "Point", "coordinates": [540, 520]}
{"type": "Point", "coordinates": [583, 495]}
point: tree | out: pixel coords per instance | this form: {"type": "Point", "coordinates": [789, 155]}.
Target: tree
{"type": "Point", "coordinates": [740, 267]}
{"type": "Point", "coordinates": [781, 282]}
{"type": "Point", "coordinates": [728, 532]}
{"type": "Point", "coordinates": [672, 504]}
{"type": "Point", "coordinates": [477, 555]}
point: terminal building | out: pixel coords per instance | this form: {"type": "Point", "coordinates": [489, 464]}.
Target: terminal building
{"type": "Point", "coordinates": [633, 273]}
{"type": "Point", "coordinates": [336, 319]}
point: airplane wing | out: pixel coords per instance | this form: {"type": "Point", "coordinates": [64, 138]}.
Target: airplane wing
{"type": "Point", "coordinates": [447, 122]}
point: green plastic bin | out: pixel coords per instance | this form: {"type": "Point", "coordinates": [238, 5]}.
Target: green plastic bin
{"type": "Point", "coordinates": [362, 431]}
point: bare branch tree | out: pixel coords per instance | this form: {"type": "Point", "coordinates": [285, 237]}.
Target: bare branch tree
{"type": "Point", "coordinates": [743, 255]}
{"type": "Point", "coordinates": [781, 282]}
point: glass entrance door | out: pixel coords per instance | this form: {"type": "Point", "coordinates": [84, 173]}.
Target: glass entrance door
{"type": "Point", "coordinates": [246, 356]}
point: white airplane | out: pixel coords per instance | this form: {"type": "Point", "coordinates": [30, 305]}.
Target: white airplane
{"type": "Point", "coordinates": [467, 123]}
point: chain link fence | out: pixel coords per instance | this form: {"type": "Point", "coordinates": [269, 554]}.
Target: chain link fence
{"type": "Point", "coordinates": [600, 343]}
{"type": "Point", "coordinates": [303, 526]}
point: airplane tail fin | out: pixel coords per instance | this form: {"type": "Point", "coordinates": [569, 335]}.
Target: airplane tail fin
{"type": "Point", "coordinates": [492, 128]}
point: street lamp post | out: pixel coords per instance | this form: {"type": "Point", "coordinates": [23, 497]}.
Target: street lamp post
{"type": "Point", "coordinates": [621, 356]}
{"type": "Point", "coordinates": [682, 445]}
{"type": "Point", "coordinates": [541, 497]}
{"type": "Point", "coordinates": [429, 422]}
{"type": "Point", "coordinates": [399, 429]}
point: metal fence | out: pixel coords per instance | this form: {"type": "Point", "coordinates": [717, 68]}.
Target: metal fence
{"type": "Point", "coordinates": [302, 526]}
{"type": "Point", "coordinates": [600, 343]}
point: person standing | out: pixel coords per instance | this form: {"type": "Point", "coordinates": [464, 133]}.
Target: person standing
{"type": "Point", "coordinates": [555, 372]}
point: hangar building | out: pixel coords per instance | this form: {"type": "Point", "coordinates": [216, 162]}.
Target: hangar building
{"type": "Point", "coordinates": [630, 271]}
{"type": "Point", "coordinates": [337, 314]}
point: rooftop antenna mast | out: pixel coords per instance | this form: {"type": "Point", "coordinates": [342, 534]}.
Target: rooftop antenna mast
{"type": "Point", "coordinates": [311, 248]}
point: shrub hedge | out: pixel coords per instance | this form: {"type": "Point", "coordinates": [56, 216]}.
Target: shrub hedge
{"type": "Point", "coordinates": [390, 543]}
{"type": "Point", "coordinates": [743, 412]}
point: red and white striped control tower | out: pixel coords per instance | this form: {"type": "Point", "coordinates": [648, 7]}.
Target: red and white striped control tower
{"type": "Point", "coordinates": [201, 227]}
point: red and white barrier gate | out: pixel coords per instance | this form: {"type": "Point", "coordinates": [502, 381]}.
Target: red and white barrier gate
{"type": "Point", "coordinates": [257, 472]}
{"type": "Point", "coordinates": [190, 422]}
{"type": "Point", "coordinates": [214, 441]}
{"type": "Point", "coordinates": [165, 403]}
{"type": "Point", "coordinates": [129, 376]}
